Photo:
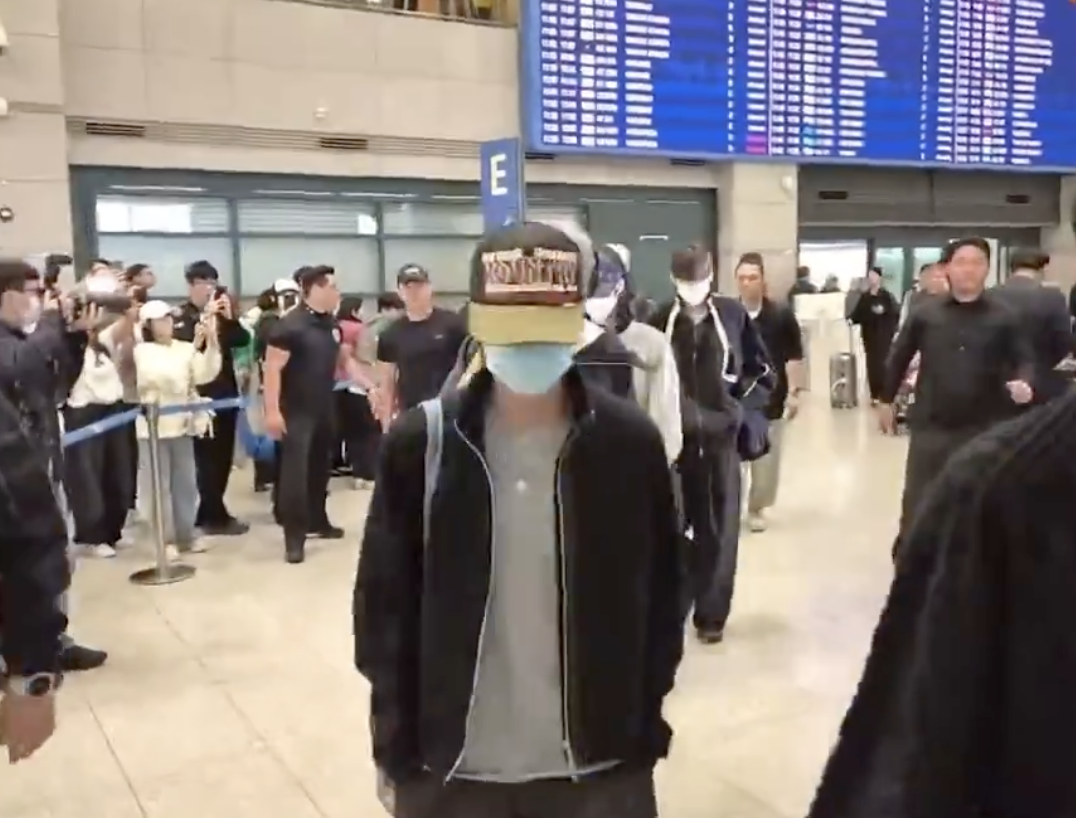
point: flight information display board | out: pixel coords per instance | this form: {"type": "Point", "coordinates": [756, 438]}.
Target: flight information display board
{"type": "Point", "coordinates": [970, 83]}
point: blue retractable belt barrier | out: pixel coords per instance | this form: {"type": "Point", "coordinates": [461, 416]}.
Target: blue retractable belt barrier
{"type": "Point", "coordinates": [123, 418]}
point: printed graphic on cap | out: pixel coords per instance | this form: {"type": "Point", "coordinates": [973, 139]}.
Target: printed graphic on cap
{"type": "Point", "coordinates": [513, 272]}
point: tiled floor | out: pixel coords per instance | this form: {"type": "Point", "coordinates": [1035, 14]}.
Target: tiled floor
{"type": "Point", "coordinates": [233, 694]}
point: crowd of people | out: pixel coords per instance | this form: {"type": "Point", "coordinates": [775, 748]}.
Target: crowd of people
{"type": "Point", "coordinates": [557, 476]}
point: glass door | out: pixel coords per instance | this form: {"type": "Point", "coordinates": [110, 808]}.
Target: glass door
{"type": "Point", "coordinates": [894, 264]}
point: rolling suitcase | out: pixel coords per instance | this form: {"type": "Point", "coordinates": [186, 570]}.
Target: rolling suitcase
{"type": "Point", "coordinates": [843, 378]}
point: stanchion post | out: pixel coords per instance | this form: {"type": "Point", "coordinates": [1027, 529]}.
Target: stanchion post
{"type": "Point", "coordinates": [165, 572]}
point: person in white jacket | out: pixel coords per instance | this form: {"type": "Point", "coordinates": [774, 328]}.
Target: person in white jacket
{"type": "Point", "coordinates": [168, 373]}
{"type": "Point", "coordinates": [656, 382]}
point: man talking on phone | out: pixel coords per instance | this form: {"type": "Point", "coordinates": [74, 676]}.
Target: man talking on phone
{"type": "Point", "coordinates": [207, 300]}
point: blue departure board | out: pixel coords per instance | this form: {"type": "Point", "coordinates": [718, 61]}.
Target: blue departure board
{"type": "Point", "coordinates": [969, 83]}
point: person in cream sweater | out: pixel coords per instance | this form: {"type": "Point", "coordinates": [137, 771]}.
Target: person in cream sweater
{"type": "Point", "coordinates": [168, 372]}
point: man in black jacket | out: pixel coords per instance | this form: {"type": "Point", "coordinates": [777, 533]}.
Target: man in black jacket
{"type": "Point", "coordinates": [975, 368]}
{"type": "Point", "coordinates": [40, 358]}
{"type": "Point", "coordinates": [726, 379]}
{"type": "Point", "coordinates": [1044, 318]}
{"type": "Point", "coordinates": [518, 601]}
{"type": "Point", "coordinates": [214, 453]}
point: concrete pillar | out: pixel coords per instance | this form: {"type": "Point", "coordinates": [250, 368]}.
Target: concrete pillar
{"type": "Point", "coordinates": [758, 212]}
{"type": "Point", "coordinates": [34, 180]}
{"type": "Point", "coordinates": [1059, 240]}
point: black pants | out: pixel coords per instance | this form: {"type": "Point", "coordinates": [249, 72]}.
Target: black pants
{"type": "Point", "coordinates": [98, 479]}
{"type": "Point", "coordinates": [360, 433]}
{"type": "Point", "coordinates": [929, 449]}
{"type": "Point", "coordinates": [304, 460]}
{"type": "Point", "coordinates": [711, 490]}
{"type": "Point", "coordinates": [876, 352]}
{"type": "Point", "coordinates": [612, 794]}
{"type": "Point", "coordinates": [213, 457]}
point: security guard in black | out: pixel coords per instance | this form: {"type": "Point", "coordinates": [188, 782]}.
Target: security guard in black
{"type": "Point", "coordinates": [312, 341]}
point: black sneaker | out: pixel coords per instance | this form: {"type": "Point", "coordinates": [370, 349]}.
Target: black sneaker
{"type": "Point", "coordinates": [75, 658]}
{"type": "Point", "coordinates": [328, 531]}
{"type": "Point", "coordinates": [232, 528]}
{"type": "Point", "coordinates": [710, 636]}
{"type": "Point", "coordinates": [294, 548]}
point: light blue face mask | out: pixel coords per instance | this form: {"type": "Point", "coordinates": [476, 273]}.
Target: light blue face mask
{"type": "Point", "coordinates": [529, 369]}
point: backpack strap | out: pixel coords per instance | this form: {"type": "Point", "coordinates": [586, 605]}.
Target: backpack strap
{"type": "Point", "coordinates": [435, 422]}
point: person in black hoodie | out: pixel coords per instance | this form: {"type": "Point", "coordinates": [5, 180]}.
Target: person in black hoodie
{"type": "Point", "coordinates": [517, 609]}
{"type": "Point", "coordinates": [876, 312]}
{"type": "Point", "coordinates": [726, 380]}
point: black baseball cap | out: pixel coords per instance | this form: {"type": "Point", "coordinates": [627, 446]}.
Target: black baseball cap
{"type": "Point", "coordinates": [527, 284]}
{"type": "Point", "coordinates": [412, 274]}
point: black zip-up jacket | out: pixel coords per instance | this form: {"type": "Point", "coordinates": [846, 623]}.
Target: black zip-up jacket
{"type": "Point", "coordinates": [419, 611]}
{"type": "Point", "coordinates": [606, 362]}
{"type": "Point", "coordinates": [713, 402]}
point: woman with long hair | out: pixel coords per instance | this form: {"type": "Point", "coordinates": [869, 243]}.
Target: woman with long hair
{"type": "Point", "coordinates": [169, 372]}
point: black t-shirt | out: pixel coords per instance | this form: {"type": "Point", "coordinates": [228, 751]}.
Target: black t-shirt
{"type": "Point", "coordinates": [780, 333]}
{"type": "Point", "coordinates": [423, 352]}
{"type": "Point", "coordinates": [313, 341]}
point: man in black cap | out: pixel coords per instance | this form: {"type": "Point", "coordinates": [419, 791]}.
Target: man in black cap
{"type": "Point", "coordinates": [518, 606]}
{"type": "Point", "coordinates": [207, 300]}
{"type": "Point", "coordinates": [726, 380]}
{"type": "Point", "coordinates": [416, 353]}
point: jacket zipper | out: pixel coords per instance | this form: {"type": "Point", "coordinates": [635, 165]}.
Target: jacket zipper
{"type": "Point", "coordinates": [569, 752]}
{"type": "Point", "coordinates": [485, 611]}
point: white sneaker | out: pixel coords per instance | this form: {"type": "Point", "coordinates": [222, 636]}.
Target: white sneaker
{"type": "Point", "coordinates": [172, 553]}
{"type": "Point", "coordinates": [101, 551]}
{"type": "Point", "coordinates": [756, 523]}
{"type": "Point", "coordinates": [197, 547]}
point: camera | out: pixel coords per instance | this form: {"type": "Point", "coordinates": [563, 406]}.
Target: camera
{"type": "Point", "coordinates": [7, 215]}
{"type": "Point", "coordinates": [54, 265]}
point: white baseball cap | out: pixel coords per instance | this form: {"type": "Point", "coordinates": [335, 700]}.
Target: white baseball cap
{"type": "Point", "coordinates": [152, 310]}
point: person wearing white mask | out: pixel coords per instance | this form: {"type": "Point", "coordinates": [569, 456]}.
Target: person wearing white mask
{"type": "Point", "coordinates": [656, 382]}
{"type": "Point", "coordinates": [726, 380]}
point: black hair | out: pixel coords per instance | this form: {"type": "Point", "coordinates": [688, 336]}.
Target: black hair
{"type": "Point", "coordinates": [201, 271]}
{"type": "Point", "coordinates": [100, 261]}
{"type": "Point", "coordinates": [389, 301]}
{"type": "Point", "coordinates": [14, 273]}
{"type": "Point", "coordinates": [953, 247]}
{"type": "Point", "coordinates": [878, 271]}
{"type": "Point", "coordinates": [266, 300]}
{"type": "Point", "coordinates": [139, 295]}
{"type": "Point", "coordinates": [803, 271]}
{"type": "Point", "coordinates": [754, 259]}
{"type": "Point", "coordinates": [301, 273]}
{"type": "Point", "coordinates": [147, 333]}
{"type": "Point", "coordinates": [1035, 260]}
{"type": "Point", "coordinates": [925, 267]}
{"type": "Point", "coordinates": [348, 307]}
{"type": "Point", "coordinates": [136, 270]}
{"type": "Point", "coordinates": [310, 277]}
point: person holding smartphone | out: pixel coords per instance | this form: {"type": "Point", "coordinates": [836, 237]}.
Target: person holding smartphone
{"type": "Point", "coordinates": [214, 453]}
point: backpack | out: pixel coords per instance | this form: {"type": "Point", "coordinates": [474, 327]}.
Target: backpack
{"type": "Point", "coordinates": [435, 423]}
